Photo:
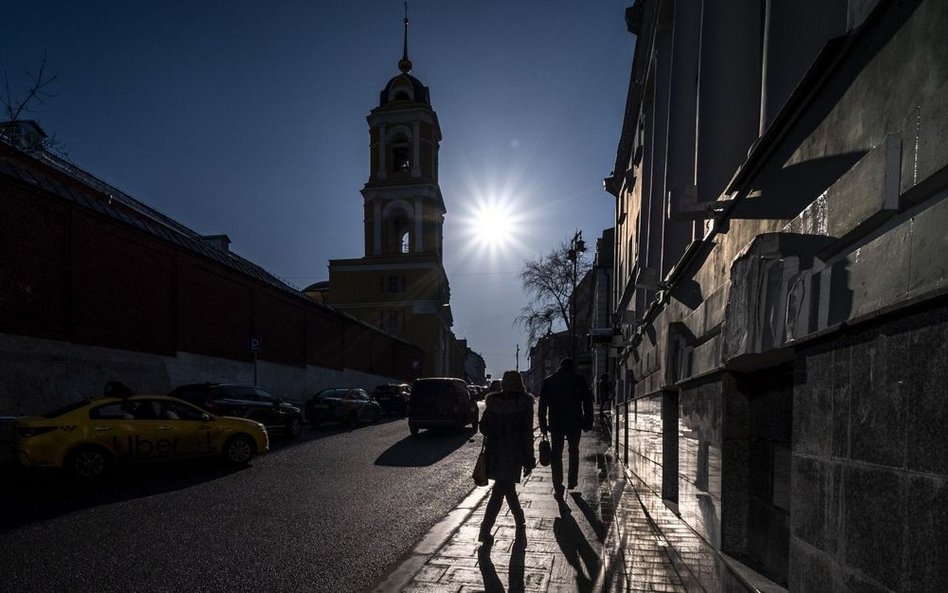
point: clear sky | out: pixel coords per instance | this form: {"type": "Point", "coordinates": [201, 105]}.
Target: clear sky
{"type": "Point", "coordinates": [248, 118]}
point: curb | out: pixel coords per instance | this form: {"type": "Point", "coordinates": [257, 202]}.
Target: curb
{"type": "Point", "coordinates": [429, 545]}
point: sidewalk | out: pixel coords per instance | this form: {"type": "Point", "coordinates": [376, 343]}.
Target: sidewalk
{"type": "Point", "coordinates": [598, 538]}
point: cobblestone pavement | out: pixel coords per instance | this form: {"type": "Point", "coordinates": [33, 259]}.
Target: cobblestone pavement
{"type": "Point", "coordinates": [597, 538]}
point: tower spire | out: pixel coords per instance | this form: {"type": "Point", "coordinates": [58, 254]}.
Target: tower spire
{"type": "Point", "coordinates": [405, 64]}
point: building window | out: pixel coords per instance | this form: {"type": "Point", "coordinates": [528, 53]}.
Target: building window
{"type": "Point", "coordinates": [401, 153]}
{"type": "Point", "coordinates": [393, 322]}
{"type": "Point", "coordinates": [395, 284]}
{"type": "Point", "coordinates": [398, 229]}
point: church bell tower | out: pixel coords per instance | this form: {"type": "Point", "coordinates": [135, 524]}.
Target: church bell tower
{"type": "Point", "coordinates": [404, 210]}
{"type": "Point", "coordinates": [400, 285]}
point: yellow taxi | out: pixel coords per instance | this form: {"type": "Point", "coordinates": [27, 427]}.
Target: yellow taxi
{"type": "Point", "coordinates": [88, 437]}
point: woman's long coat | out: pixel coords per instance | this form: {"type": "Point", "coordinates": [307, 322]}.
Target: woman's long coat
{"type": "Point", "coordinates": [507, 426]}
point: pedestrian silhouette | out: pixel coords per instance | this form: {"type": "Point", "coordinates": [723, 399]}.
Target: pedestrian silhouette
{"type": "Point", "coordinates": [565, 410]}
{"type": "Point", "coordinates": [604, 393]}
{"type": "Point", "coordinates": [507, 426]}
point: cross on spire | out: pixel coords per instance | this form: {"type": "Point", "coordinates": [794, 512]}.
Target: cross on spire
{"type": "Point", "coordinates": [405, 64]}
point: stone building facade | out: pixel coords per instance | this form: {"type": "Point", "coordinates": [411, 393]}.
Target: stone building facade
{"type": "Point", "coordinates": [780, 273]}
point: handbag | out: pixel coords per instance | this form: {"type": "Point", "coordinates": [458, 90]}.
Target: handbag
{"type": "Point", "coordinates": [545, 452]}
{"type": "Point", "coordinates": [480, 469]}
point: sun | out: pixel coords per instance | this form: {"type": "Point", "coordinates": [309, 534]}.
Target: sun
{"type": "Point", "coordinates": [492, 225]}
{"type": "Point", "coordinates": [495, 224]}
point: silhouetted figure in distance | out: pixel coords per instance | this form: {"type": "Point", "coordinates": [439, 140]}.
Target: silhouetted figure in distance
{"type": "Point", "coordinates": [565, 410]}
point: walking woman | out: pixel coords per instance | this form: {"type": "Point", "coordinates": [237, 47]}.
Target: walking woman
{"type": "Point", "coordinates": [507, 426]}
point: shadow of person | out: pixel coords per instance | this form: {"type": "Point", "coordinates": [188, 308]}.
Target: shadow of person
{"type": "Point", "coordinates": [516, 568]}
{"type": "Point", "coordinates": [591, 517]}
{"type": "Point", "coordinates": [518, 555]}
{"type": "Point", "coordinates": [492, 582]}
{"type": "Point", "coordinates": [577, 551]}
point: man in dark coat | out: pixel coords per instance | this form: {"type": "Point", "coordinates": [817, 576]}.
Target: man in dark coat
{"type": "Point", "coordinates": [565, 409]}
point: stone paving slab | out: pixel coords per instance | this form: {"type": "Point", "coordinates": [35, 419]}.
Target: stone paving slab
{"type": "Point", "coordinates": [598, 537]}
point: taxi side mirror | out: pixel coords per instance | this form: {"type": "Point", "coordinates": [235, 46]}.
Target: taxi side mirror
{"type": "Point", "coordinates": [206, 417]}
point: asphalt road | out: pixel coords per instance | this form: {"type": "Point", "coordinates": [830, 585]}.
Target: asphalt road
{"type": "Point", "coordinates": [327, 513]}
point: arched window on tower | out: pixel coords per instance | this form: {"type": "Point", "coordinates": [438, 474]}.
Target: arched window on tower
{"type": "Point", "coordinates": [399, 232]}
{"type": "Point", "coordinates": [401, 153]}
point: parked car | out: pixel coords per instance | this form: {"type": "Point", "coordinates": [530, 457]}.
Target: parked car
{"type": "Point", "coordinates": [393, 397]}
{"type": "Point", "coordinates": [245, 401]}
{"type": "Point", "coordinates": [349, 405]}
{"type": "Point", "coordinates": [87, 438]}
{"type": "Point", "coordinates": [440, 402]}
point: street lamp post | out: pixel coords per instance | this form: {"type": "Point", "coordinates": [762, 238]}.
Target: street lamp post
{"type": "Point", "coordinates": [576, 246]}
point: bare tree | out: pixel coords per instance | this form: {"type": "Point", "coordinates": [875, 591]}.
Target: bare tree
{"type": "Point", "coordinates": [549, 281]}
{"type": "Point", "coordinates": [37, 92]}
{"type": "Point", "coordinates": [15, 107]}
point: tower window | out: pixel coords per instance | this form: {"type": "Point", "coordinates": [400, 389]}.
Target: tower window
{"type": "Point", "coordinates": [398, 232]}
{"type": "Point", "coordinates": [401, 153]}
{"type": "Point", "coordinates": [395, 284]}
{"type": "Point", "coordinates": [402, 162]}
{"type": "Point", "coordinates": [392, 322]}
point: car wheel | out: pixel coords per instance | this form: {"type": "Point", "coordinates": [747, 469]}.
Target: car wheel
{"type": "Point", "coordinates": [239, 449]}
{"type": "Point", "coordinates": [88, 462]}
{"type": "Point", "coordinates": [294, 428]}
{"type": "Point", "coordinates": [413, 429]}
{"type": "Point", "coordinates": [474, 424]}
{"type": "Point", "coordinates": [376, 416]}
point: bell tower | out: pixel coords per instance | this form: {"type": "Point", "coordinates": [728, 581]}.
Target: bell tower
{"type": "Point", "coordinates": [399, 284]}
{"type": "Point", "coordinates": [404, 210]}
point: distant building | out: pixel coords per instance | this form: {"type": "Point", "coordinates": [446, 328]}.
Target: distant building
{"type": "Point", "coordinates": [781, 270]}
{"type": "Point", "coordinates": [400, 285]}
{"type": "Point", "coordinates": [545, 357]}
{"type": "Point", "coordinates": [602, 332]}
{"type": "Point", "coordinates": [475, 368]}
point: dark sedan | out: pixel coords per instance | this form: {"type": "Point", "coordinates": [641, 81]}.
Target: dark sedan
{"type": "Point", "coordinates": [245, 401]}
{"type": "Point", "coordinates": [393, 397]}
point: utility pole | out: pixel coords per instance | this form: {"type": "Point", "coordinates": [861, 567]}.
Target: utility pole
{"type": "Point", "coordinates": [518, 357]}
{"type": "Point", "coordinates": [576, 247]}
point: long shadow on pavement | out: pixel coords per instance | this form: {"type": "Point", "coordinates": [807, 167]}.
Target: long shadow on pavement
{"type": "Point", "coordinates": [426, 448]}
{"type": "Point", "coordinates": [516, 568]}
{"type": "Point", "coordinates": [37, 494]}
{"type": "Point", "coordinates": [578, 552]}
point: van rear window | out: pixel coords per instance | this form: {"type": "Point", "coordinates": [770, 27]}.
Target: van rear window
{"type": "Point", "coordinates": [423, 390]}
